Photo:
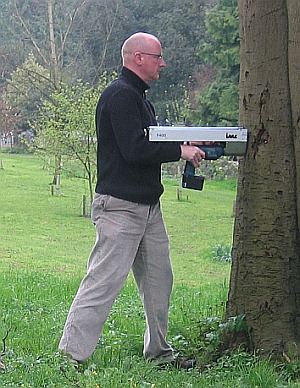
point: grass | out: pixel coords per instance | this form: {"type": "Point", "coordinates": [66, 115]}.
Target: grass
{"type": "Point", "coordinates": [44, 246]}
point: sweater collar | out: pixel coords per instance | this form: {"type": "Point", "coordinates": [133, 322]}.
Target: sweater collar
{"type": "Point", "coordinates": [135, 80]}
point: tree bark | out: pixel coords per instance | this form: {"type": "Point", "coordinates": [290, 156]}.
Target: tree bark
{"type": "Point", "coordinates": [293, 8]}
{"type": "Point", "coordinates": [264, 284]}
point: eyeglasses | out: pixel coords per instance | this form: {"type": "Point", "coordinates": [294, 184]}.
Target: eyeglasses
{"type": "Point", "coordinates": [156, 56]}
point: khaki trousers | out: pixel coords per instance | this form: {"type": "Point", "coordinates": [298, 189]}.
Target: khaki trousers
{"type": "Point", "coordinates": [129, 236]}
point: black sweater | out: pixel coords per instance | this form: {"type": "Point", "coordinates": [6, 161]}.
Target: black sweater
{"type": "Point", "coordinates": [129, 165]}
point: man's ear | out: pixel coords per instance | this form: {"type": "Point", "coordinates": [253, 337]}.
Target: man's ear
{"type": "Point", "coordinates": [138, 58]}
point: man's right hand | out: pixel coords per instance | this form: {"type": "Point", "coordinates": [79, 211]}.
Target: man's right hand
{"type": "Point", "coordinates": [192, 154]}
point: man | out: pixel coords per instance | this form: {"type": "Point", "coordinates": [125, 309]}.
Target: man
{"type": "Point", "coordinates": [126, 210]}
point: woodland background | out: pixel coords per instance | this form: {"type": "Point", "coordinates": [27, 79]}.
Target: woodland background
{"type": "Point", "coordinates": [47, 43]}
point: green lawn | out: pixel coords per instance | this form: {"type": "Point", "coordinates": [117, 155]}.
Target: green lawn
{"type": "Point", "coordinates": [44, 247]}
{"type": "Point", "coordinates": [47, 231]}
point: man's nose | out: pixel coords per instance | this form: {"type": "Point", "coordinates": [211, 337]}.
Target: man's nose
{"type": "Point", "coordinates": [162, 63]}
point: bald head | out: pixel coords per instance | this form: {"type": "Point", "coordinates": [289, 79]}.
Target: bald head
{"type": "Point", "coordinates": [142, 54]}
{"type": "Point", "coordinates": [141, 41]}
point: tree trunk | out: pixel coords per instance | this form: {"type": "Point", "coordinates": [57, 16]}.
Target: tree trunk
{"type": "Point", "coordinates": [56, 76]}
{"type": "Point", "coordinates": [264, 284]}
{"type": "Point", "coordinates": [293, 8]}
{"type": "Point", "coordinates": [55, 69]}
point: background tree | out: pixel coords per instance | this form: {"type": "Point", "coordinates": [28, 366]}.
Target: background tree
{"type": "Point", "coordinates": [265, 284]}
{"type": "Point", "coordinates": [10, 120]}
{"type": "Point", "coordinates": [66, 127]}
{"type": "Point", "coordinates": [217, 104]}
{"type": "Point", "coordinates": [50, 47]}
{"type": "Point", "coordinates": [27, 86]}
{"type": "Point", "coordinates": [181, 27]}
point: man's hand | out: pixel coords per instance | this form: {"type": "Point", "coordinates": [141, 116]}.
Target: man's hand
{"type": "Point", "coordinates": [192, 154]}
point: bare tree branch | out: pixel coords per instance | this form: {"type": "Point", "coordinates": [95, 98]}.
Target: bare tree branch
{"type": "Point", "coordinates": [73, 17]}
{"type": "Point", "coordinates": [108, 35]}
{"type": "Point", "coordinates": [31, 37]}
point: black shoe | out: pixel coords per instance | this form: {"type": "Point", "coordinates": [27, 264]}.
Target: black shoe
{"type": "Point", "coordinates": [183, 364]}
{"type": "Point", "coordinates": [176, 363]}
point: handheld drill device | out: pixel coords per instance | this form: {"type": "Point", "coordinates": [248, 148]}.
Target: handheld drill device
{"type": "Point", "coordinates": [228, 141]}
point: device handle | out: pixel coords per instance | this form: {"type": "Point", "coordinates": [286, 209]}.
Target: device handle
{"type": "Point", "coordinates": [189, 169]}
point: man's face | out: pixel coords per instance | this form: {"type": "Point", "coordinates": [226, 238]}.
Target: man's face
{"type": "Point", "coordinates": [152, 62]}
